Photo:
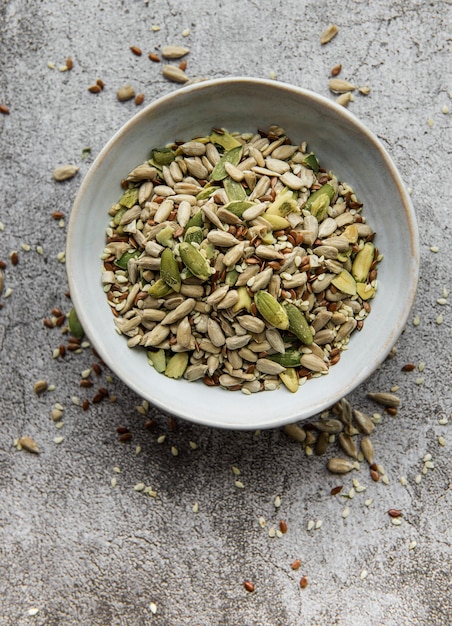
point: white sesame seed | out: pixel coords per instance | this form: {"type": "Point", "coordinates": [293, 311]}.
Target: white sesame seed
{"type": "Point", "coordinates": [418, 479]}
{"type": "Point", "coordinates": [441, 441]}
{"type": "Point", "coordinates": [445, 109]}
{"type": "Point", "coordinates": [174, 451]}
{"type": "Point", "coordinates": [318, 524]}
{"type": "Point", "coordinates": [311, 524]}
{"type": "Point", "coordinates": [412, 545]}
{"type": "Point", "coordinates": [155, 28]}
{"type": "Point", "coordinates": [396, 521]}
{"type": "Point", "coordinates": [277, 502]}
{"type": "Point", "coordinates": [442, 301]}
{"type": "Point", "coordinates": [58, 439]}
{"type": "Point", "coordinates": [239, 484]}
{"type": "Point", "coordinates": [137, 450]}
{"type": "Point", "coordinates": [235, 470]}
{"type": "Point", "coordinates": [395, 388]}
{"type": "Point", "coordinates": [262, 522]}
{"type": "Point", "coordinates": [346, 512]}
{"type": "Point", "coordinates": [421, 366]}
{"type": "Point", "coordinates": [195, 507]}
{"type": "Point", "coordinates": [309, 451]}
{"type": "Point", "coordinates": [271, 532]}
{"type": "Point", "coordinates": [161, 439]}
{"type": "Point", "coordinates": [434, 249]}
{"type": "Point", "coordinates": [420, 380]}
{"type": "Point", "coordinates": [185, 32]}
{"type": "Point", "coordinates": [429, 465]}
{"type": "Point", "coordinates": [117, 470]}
{"type": "Point", "coordinates": [368, 502]}
{"type": "Point", "coordinates": [25, 246]}
{"type": "Point", "coordinates": [113, 482]}
{"type": "Point", "coordinates": [8, 292]}
{"type": "Point", "coordinates": [427, 457]}
{"type": "Point", "coordinates": [59, 425]}
{"type": "Point", "coordinates": [443, 421]}
{"type": "Point", "coordinates": [364, 574]}
{"type": "Point", "coordinates": [416, 320]}
{"type": "Point", "coordinates": [153, 608]}
{"type": "Point", "coordinates": [139, 487]}
{"type": "Point", "coordinates": [193, 445]}
{"type": "Point", "coordinates": [403, 481]}
{"type": "Point", "coordinates": [33, 611]}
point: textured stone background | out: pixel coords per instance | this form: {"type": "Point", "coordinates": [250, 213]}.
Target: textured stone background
{"type": "Point", "coordinates": [83, 552]}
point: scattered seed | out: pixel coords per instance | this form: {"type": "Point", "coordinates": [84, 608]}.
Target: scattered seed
{"type": "Point", "coordinates": [139, 99]}
{"type": "Point", "coordinates": [249, 586]}
{"type": "Point", "coordinates": [33, 611]}
{"type": "Point", "coordinates": [277, 502]}
{"type": "Point", "coordinates": [336, 69]}
{"type": "Point", "coordinates": [303, 582]}
{"type": "Point", "coordinates": [95, 88]}
{"type": "Point", "coordinates": [295, 564]}
{"type": "Point", "coordinates": [385, 399]}
{"type": "Point", "coordinates": [4, 109]}
{"type": "Point", "coordinates": [364, 573]}
{"type": "Point", "coordinates": [441, 441]}
{"type": "Point", "coordinates": [396, 521]}
{"type": "Point", "coordinates": [364, 90]}
{"type": "Point", "coordinates": [283, 526]}
{"type": "Point", "coordinates": [29, 444]}
{"type": "Point", "coordinates": [65, 172]}
{"type": "Point", "coordinates": [412, 545]}
{"type": "Point", "coordinates": [173, 73]}
{"type": "Point", "coordinates": [127, 92]}
{"type": "Point", "coordinates": [136, 51]}
{"type": "Point", "coordinates": [311, 524]}
{"type": "Point", "coordinates": [58, 440]}
{"type": "Point", "coordinates": [346, 512]}
{"type": "Point", "coordinates": [40, 386]}
{"type": "Point", "coordinates": [329, 33]}
{"type": "Point", "coordinates": [336, 490]}
{"type": "Point", "coordinates": [153, 608]}
{"type": "Point", "coordinates": [408, 367]}
{"type": "Point", "coordinates": [154, 57]}
{"type": "Point", "coordinates": [344, 99]}
{"type": "Point", "coordinates": [174, 52]}
{"type": "Point", "coordinates": [338, 85]}
{"type": "Point", "coordinates": [239, 484]}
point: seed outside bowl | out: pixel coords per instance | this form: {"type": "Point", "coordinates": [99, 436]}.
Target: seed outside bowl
{"type": "Point", "coordinates": [342, 144]}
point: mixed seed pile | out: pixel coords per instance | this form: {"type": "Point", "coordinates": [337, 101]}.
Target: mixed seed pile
{"type": "Point", "coordinates": [236, 259]}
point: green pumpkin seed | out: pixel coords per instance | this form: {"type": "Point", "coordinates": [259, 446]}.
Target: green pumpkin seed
{"type": "Point", "coordinates": [238, 207]}
{"type": "Point", "coordinates": [124, 259]}
{"type": "Point", "coordinates": [163, 156]}
{"type": "Point", "coordinates": [195, 220]}
{"type": "Point", "coordinates": [231, 156]}
{"type": "Point", "coordinates": [194, 261]}
{"type": "Point", "coordinates": [159, 289]}
{"type": "Point", "coordinates": [177, 365]}
{"type": "Point", "coordinates": [290, 358]}
{"type": "Point", "coordinates": [169, 269]}
{"type": "Point", "coordinates": [271, 310]}
{"type": "Point", "coordinates": [298, 324]}
{"type": "Point", "coordinates": [193, 235]}
{"type": "Point", "coordinates": [234, 190]}
{"type": "Point", "coordinates": [158, 360]}
{"type": "Point", "coordinates": [75, 328]}
{"type": "Point", "coordinates": [207, 191]}
{"type": "Point", "coordinates": [310, 160]}
{"type": "Point", "coordinates": [224, 139]}
{"type": "Point", "coordinates": [319, 201]}
{"type": "Point", "coordinates": [129, 198]}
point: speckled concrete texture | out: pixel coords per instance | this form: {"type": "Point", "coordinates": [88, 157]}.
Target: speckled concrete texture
{"type": "Point", "coordinates": [77, 550]}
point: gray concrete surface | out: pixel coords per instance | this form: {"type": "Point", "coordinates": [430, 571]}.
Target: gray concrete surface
{"type": "Point", "coordinates": [80, 551]}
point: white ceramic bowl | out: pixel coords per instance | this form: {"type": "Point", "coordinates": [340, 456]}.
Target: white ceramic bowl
{"type": "Point", "coordinates": [343, 145]}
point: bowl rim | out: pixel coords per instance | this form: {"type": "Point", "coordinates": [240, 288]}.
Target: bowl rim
{"type": "Point", "coordinates": [315, 98]}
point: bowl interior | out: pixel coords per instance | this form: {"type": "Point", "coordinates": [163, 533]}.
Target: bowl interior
{"type": "Point", "coordinates": [343, 145]}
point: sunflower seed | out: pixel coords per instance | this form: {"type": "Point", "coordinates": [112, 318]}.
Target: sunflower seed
{"type": "Point", "coordinates": [175, 74]}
